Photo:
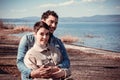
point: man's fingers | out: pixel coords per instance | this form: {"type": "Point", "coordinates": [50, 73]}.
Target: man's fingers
{"type": "Point", "coordinates": [56, 72]}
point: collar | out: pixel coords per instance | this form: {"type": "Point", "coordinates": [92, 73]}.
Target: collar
{"type": "Point", "coordinates": [40, 48]}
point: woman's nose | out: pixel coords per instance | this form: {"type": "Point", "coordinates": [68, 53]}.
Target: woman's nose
{"type": "Point", "coordinates": [44, 36]}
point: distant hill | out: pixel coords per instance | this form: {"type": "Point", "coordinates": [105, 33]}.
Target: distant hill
{"type": "Point", "coordinates": [25, 19]}
{"type": "Point", "coordinates": [96, 18]}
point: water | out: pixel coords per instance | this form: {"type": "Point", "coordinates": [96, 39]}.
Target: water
{"type": "Point", "coordinates": [103, 35]}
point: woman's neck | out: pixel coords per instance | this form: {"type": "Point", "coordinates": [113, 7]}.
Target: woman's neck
{"type": "Point", "coordinates": [42, 46]}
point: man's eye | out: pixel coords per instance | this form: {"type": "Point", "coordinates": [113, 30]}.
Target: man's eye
{"type": "Point", "coordinates": [51, 21]}
{"type": "Point", "coordinates": [56, 23]}
{"type": "Point", "coordinates": [47, 34]}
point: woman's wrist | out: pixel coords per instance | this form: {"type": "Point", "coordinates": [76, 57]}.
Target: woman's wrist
{"type": "Point", "coordinates": [64, 73]}
{"type": "Point", "coordinates": [31, 74]}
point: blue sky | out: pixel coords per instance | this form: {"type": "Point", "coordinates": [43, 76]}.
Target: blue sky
{"type": "Point", "coordinates": [64, 8]}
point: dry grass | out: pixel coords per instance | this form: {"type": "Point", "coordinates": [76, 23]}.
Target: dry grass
{"type": "Point", "coordinates": [6, 26]}
{"type": "Point", "coordinates": [69, 39]}
{"type": "Point", "coordinates": [91, 36]}
{"type": "Point", "coordinates": [2, 37]}
{"type": "Point", "coordinates": [9, 39]}
{"type": "Point", "coordinates": [12, 28]}
{"type": "Point", "coordinates": [6, 31]}
{"type": "Point", "coordinates": [22, 29]}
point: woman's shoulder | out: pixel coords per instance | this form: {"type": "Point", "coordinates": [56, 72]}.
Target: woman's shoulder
{"type": "Point", "coordinates": [53, 48]}
{"type": "Point", "coordinates": [31, 52]}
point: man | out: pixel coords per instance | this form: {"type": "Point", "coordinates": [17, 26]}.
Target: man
{"type": "Point", "coordinates": [27, 41]}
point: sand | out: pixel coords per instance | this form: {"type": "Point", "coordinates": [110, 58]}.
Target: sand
{"type": "Point", "coordinates": [86, 63]}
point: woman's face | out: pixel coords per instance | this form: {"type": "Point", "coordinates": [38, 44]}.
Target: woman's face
{"type": "Point", "coordinates": [42, 36]}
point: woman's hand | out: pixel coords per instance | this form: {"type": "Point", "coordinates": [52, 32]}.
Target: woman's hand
{"type": "Point", "coordinates": [42, 72]}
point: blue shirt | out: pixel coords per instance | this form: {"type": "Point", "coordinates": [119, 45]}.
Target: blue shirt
{"type": "Point", "coordinates": [27, 42]}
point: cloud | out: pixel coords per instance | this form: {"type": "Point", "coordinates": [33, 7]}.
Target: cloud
{"type": "Point", "coordinates": [22, 10]}
{"type": "Point", "coordinates": [93, 0]}
{"type": "Point", "coordinates": [66, 3]}
{"type": "Point", "coordinates": [56, 5]}
{"type": "Point", "coordinates": [117, 7]}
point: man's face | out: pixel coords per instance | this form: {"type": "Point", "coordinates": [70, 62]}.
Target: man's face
{"type": "Point", "coordinates": [52, 22]}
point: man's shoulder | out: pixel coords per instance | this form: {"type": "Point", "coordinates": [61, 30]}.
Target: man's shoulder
{"type": "Point", "coordinates": [56, 40]}
{"type": "Point", "coordinates": [28, 38]}
{"type": "Point", "coordinates": [54, 37]}
{"type": "Point", "coordinates": [29, 35]}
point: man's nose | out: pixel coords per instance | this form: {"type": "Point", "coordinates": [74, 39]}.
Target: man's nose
{"type": "Point", "coordinates": [53, 25]}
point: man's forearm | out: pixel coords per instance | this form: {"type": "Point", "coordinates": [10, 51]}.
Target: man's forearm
{"type": "Point", "coordinates": [23, 69]}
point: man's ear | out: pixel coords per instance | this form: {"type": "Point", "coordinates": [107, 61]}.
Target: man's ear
{"type": "Point", "coordinates": [43, 20]}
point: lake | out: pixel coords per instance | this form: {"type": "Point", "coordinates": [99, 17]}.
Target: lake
{"type": "Point", "coordinates": [103, 35]}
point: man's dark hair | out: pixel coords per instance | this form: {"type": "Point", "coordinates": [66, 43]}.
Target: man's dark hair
{"type": "Point", "coordinates": [47, 13]}
{"type": "Point", "coordinates": [39, 25]}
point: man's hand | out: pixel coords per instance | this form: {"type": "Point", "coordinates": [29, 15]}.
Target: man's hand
{"type": "Point", "coordinates": [58, 73]}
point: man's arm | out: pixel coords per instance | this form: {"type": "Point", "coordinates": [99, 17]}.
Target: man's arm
{"type": "Point", "coordinates": [22, 49]}
{"type": "Point", "coordinates": [66, 62]}
{"type": "Point", "coordinates": [54, 41]}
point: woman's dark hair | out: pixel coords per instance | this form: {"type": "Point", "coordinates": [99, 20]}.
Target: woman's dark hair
{"type": "Point", "coordinates": [39, 25]}
{"type": "Point", "coordinates": [47, 13]}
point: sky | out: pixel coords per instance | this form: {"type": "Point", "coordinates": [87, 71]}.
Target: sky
{"type": "Point", "coordinates": [64, 8]}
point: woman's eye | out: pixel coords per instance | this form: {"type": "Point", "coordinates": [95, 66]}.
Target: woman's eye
{"type": "Point", "coordinates": [42, 34]}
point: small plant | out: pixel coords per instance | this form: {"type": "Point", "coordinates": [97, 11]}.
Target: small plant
{"type": "Point", "coordinates": [1, 24]}
{"type": "Point", "coordinates": [69, 39]}
{"type": "Point", "coordinates": [6, 26]}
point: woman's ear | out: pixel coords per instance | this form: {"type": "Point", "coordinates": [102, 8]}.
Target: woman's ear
{"type": "Point", "coordinates": [34, 34]}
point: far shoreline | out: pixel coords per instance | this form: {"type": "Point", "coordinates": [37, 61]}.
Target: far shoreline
{"type": "Point", "coordinates": [93, 48]}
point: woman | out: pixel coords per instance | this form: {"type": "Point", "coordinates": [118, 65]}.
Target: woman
{"type": "Point", "coordinates": [44, 56]}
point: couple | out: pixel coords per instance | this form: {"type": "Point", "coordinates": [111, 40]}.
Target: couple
{"type": "Point", "coordinates": [53, 62]}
